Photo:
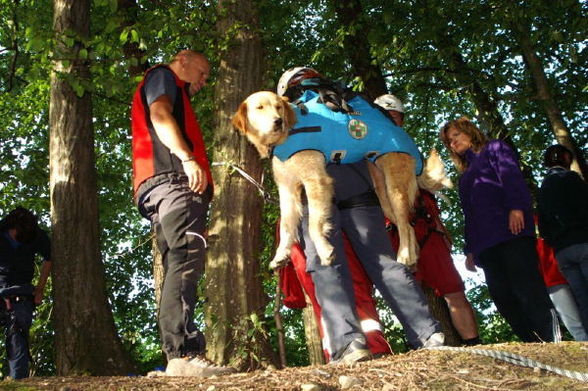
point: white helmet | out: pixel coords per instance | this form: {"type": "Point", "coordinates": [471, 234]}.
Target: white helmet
{"type": "Point", "coordinates": [293, 76]}
{"type": "Point", "coordinates": [390, 102]}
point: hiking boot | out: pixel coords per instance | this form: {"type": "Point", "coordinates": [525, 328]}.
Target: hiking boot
{"type": "Point", "coordinates": [436, 339]}
{"type": "Point", "coordinates": [356, 351]}
{"type": "Point", "coordinates": [196, 366]}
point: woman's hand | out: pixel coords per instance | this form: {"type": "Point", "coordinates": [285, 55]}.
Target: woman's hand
{"type": "Point", "coordinates": [516, 221]}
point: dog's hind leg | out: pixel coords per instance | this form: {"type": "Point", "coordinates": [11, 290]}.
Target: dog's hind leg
{"type": "Point", "coordinates": [319, 193]}
{"type": "Point", "coordinates": [380, 188]}
{"type": "Point", "coordinates": [401, 188]}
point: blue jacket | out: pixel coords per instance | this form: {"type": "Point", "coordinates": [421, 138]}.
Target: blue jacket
{"type": "Point", "coordinates": [349, 138]}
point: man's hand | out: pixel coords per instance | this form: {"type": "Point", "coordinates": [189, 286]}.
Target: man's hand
{"type": "Point", "coordinates": [516, 221]}
{"type": "Point", "coordinates": [469, 262]}
{"type": "Point", "coordinates": [197, 180]}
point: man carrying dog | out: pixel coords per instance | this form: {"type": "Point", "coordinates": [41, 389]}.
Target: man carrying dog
{"type": "Point", "coordinates": [357, 213]}
{"type": "Point", "coordinates": [21, 240]}
{"type": "Point", "coordinates": [173, 188]}
{"type": "Point", "coordinates": [435, 267]}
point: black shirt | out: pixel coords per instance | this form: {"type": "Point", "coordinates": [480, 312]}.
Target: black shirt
{"type": "Point", "coordinates": [563, 209]}
{"type": "Point", "coordinates": [17, 260]}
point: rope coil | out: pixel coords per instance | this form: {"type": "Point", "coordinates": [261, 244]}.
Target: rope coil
{"type": "Point", "coordinates": [518, 360]}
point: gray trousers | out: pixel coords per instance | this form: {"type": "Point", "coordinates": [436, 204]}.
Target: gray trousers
{"type": "Point", "coordinates": [573, 264]}
{"type": "Point", "coordinates": [365, 229]}
{"type": "Point", "coordinates": [178, 217]}
{"type": "Point", "coordinates": [567, 309]}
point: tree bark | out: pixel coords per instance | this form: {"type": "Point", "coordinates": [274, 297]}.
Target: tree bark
{"type": "Point", "coordinates": [440, 311]}
{"type": "Point", "coordinates": [86, 341]}
{"type": "Point", "coordinates": [313, 337]}
{"type": "Point", "coordinates": [545, 95]}
{"type": "Point", "coordinates": [350, 15]}
{"type": "Point", "coordinates": [236, 300]}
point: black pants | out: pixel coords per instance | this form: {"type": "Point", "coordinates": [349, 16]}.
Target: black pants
{"type": "Point", "coordinates": [517, 288]}
{"type": "Point", "coordinates": [178, 216]}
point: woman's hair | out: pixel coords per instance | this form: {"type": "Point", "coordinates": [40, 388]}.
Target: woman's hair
{"type": "Point", "coordinates": [463, 125]}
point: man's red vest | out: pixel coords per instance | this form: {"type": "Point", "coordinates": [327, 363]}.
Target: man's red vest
{"type": "Point", "coordinates": [150, 156]}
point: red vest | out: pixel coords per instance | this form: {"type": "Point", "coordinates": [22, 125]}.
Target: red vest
{"type": "Point", "coordinates": [150, 156]}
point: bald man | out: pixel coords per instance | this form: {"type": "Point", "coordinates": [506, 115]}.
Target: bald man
{"type": "Point", "coordinates": [173, 188]}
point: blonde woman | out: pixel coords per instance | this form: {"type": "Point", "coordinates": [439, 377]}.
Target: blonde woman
{"type": "Point", "coordinates": [499, 229]}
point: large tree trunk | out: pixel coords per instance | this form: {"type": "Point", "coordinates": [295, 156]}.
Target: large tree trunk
{"type": "Point", "coordinates": [86, 341]}
{"type": "Point", "coordinates": [545, 95]}
{"type": "Point", "coordinates": [236, 299]}
{"type": "Point", "coordinates": [350, 15]}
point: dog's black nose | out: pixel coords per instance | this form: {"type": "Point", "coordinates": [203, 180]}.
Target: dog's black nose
{"type": "Point", "coordinates": [278, 122]}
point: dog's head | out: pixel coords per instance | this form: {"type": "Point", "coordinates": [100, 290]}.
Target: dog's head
{"type": "Point", "coordinates": [265, 119]}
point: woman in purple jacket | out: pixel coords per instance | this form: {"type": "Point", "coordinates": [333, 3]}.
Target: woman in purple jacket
{"type": "Point", "coordinates": [499, 229]}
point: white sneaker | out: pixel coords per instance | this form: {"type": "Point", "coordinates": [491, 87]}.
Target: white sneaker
{"type": "Point", "coordinates": [436, 339]}
{"type": "Point", "coordinates": [197, 366]}
{"type": "Point", "coordinates": [356, 351]}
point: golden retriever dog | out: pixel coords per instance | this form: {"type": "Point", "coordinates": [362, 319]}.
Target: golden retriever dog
{"type": "Point", "coordinates": [265, 119]}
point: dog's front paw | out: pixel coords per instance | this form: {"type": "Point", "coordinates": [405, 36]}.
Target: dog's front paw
{"type": "Point", "coordinates": [280, 260]}
{"type": "Point", "coordinates": [407, 259]}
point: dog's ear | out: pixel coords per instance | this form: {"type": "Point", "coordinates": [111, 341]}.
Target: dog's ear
{"type": "Point", "coordinates": [240, 118]}
{"type": "Point", "coordinates": [289, 114]}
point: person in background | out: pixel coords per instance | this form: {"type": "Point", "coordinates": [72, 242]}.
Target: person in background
{"type": "Point", "coordinates": [563, 221]}
{"type": "Point", "coordinates": [435, 267]}
{"type": "Point", "coordinates": [499, 229]}
{"type": "Point", "coordinates": [173, 188]}
{"type": "Point", "coordinates": [21, 240]}
{"type": "Point", "coordinates": [560, 292]}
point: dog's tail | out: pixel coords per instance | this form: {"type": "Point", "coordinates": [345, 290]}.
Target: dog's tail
{"type": "Point", "coordinates": [434, 177]}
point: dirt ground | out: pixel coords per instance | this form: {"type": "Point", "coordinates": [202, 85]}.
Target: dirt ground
{"type": "Point", "coordinates": [436, 370]}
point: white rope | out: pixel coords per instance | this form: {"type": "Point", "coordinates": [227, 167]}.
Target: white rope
{"type": "Point", "coordinates": [518, 360]}
{"type": "Point", "coordinates": [245, 175]}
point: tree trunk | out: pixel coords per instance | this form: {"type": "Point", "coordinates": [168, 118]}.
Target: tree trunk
{"type": "Point", "coordinates": [350, 15]}
{"type": "Point", "coordinates": [157, 271]}
{"type": "Point", "coordinates": [137, 66]}
{"type": "Point", "coordinates": [86, 341]}
{"type": "Point", "coordinates": [440, 311]}
{"type": "Point", "coordinates": [545, 95]}
{"type": "Point", "coordinates": [312, 334]}
{"type": "Point", "coordinates": [236, 300]}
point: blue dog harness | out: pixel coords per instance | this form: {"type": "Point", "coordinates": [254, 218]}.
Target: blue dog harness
{"type": "Point", "coordinates": [345, 137]}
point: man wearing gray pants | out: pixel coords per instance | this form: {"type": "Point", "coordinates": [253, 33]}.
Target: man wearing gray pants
{"type": "Point", "coordinates": [360, 217]}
